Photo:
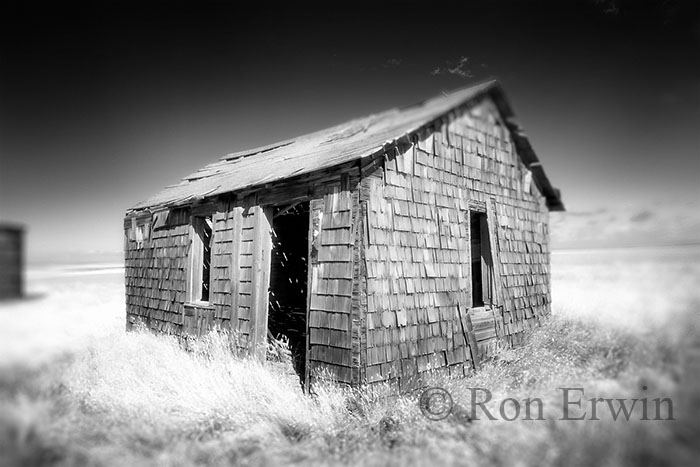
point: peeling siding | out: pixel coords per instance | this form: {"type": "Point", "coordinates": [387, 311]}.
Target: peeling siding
{"type": "Point", "coordinates": [418, 258]}
{"type": "Point", "coordinates": [330, 305]}
{"type": "Point", "coordinates": [157, 267]}
{"type": "Point", "coordinates": [155, 272]}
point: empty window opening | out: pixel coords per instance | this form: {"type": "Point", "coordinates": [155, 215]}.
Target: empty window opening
{"type": "Point", "coordinates": [288, 280]}
{"type": "Point", "coordinates": [481, 263]}
{"type": "Point", "coordinates": [200, 259]}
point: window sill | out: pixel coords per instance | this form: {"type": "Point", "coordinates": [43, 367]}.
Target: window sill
{"type": "Point", "coordinates": [190, 307]}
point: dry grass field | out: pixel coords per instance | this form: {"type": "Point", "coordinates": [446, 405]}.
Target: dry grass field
{"type": "Point", "coordinates": [76, 390]}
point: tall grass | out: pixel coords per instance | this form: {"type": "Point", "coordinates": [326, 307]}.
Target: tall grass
{"type": "Point", "coordinates": [138, 399]}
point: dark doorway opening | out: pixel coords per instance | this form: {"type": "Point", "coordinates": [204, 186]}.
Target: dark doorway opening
{"type": "Point", "coordinates": [288, 280]}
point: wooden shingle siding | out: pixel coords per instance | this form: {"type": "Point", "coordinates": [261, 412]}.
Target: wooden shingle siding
{"type": "Point", "coordinates": [155, 272]}
{"type": "Point", "coordinates": [233, 263]}
{"type": "Point", "coordinates": [418, 247]}
{"type": "Point", "coordinates": [225, 226]}
{"type": "Point", "coordinates": [330, 323]}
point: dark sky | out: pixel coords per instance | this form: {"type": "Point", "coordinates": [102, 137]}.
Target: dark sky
{"type": "Point", "coordinates": [103, 105]}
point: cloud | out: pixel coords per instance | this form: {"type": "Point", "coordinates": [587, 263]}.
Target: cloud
{"type": "Point", "coordinates": [642, 216]}
{"type": "Point", "coordinates": [392, 63]}
{"type": "Point", "coordinates": [458, 67]}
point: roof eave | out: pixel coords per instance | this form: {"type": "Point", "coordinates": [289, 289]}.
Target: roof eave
{"type": "Point", "coordinates": [525, 150]}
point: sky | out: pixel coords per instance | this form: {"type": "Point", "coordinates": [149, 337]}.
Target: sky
{"type": "Point", "coordinates": [103, 104]}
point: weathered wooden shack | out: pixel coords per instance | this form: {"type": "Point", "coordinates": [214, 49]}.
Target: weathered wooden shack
{"type": "Point", "coordinates": [409, 241]}
{"type": "Point", "coordinates": [11, 260]}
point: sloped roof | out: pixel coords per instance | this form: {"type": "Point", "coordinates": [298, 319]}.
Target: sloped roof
{"type": "Point", "coordinates": [346, 142]}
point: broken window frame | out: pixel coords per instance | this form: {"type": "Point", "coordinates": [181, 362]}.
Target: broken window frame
{"type": "Point", "coordinates": [199, 278]}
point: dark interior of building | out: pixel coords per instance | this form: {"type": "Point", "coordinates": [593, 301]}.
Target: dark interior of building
{"type": "Point", "coordinates": [288, 279]}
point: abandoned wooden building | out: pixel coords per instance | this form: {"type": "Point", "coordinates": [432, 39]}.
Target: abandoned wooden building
{"type": "Point", "coordinates": [409, 241]}
{"type": "Point", "coordinates": [11, 261]}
